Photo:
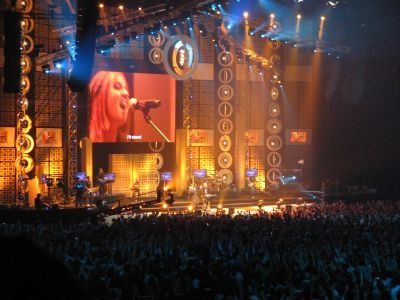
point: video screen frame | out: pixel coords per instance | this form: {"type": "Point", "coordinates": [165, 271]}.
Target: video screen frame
{"type": "Point", "coordinates": [122, 107]}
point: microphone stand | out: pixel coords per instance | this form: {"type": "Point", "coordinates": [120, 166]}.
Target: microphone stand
{"type": "Point", "coordinates": [150, 121]}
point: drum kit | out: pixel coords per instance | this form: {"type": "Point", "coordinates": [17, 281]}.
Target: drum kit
{"type": "Point", "coordinates": [217, 183]}
{"type": "Point", "coordinates": [213, 184]}
{"type": "Point", "coordinates": [205, 189]}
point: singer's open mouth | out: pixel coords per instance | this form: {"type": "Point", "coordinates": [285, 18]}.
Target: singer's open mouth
{"type": "Point", "coordinates": [123, 105]}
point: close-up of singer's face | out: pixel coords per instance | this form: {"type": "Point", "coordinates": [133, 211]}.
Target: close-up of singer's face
{"type": "Point", "coordinates": [117, 99]}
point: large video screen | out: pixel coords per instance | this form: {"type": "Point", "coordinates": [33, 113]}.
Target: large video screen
{"type": "Point", "coordinates": [122, 107]}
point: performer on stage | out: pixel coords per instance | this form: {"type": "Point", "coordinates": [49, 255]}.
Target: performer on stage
{"type": "Point", "coordinates": [101, 181]}
{"type": "Point", "coordinates": [38, 201]}
{"type": "Point", "coordinates": [160, 194]}
{"type": "Point", "coordinates": [205, 196]}
{"type": "Point", "coordinates": [192, 195]}
{"type": "Point", "coordinates": [88, 182]}
{"type": "Point", "coordinates": [89, 194]}
{"type": "Point", "coordinates": [136, 189]}
{"type": "Point", "coordinates": [171, 199]}
{"type": "Point", "coordinates": [80, 191]}
{"type": "Point", "coordinates": [251, 186]}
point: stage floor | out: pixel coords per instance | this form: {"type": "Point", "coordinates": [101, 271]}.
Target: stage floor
{"type": "Point", "coordinates": [180, 204]}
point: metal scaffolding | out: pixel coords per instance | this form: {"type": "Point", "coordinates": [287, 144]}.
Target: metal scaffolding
{"type": "Point", "coordinates": [72, 155]}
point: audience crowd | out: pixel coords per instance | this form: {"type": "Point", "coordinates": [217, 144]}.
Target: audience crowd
{"type": "Point", "coordinates": [328, 251]}
{"type": "Point", "coordinates": [335, 187]}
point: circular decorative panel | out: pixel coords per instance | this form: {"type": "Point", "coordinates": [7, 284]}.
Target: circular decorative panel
{"type": "Point", "coordinates": [225, 75]}
{"type": "Point", "coordinates": [274, 93]}
{"type": "Point", "coordinates": [226, 175]}
{"type": "Point", "coordinates": [225, 59]}
{"type": "Point", "coordinates": [24, 163]}
{"type": "Point", "coordinates": [225, 126]}
{"type": "Point", "coordinates": [156, 56]}
{"type": "Point", "coordinates": [225, 109]}
{"type": "Point", "coordinates": [225, 143]}
{"type": "Point", "coordinates": [273, 175]}
{"type": "Point", "coordinates": [157, 146]}
{"type": "Point", "coordinates": [274, 110]}
{"type": "Point", "coordinates": [25, 5]}
{"type": "Point", "coordinates": [225, 160]}
{"type": "Point", "coordinates": [24, 143]}
{"type": "Point", "coordinates": [27, 24]}
{"type": "Point", "coordinates": [274, 159]}
{"type": "Point", "coordinates": [160, 161]}
{"type": "Point", "coordinates": [23, 103]}
{"type": "Point", "coordinates": [225, 42]}
{"type": "Point", "coordinates": [275, 59]}
{"type": "Point", "coordinates": [157, 40]}
{"type": "Point", "coordinates": [26, 64]}
{"type": "Point", "coordinates": [158, 178]}
{"type": "Point", "coordinates": [27, 44]}
{"type": "Point", "coordinates": [274, 143]}
{"type": "Point", "coordinates": [24, 124]}
{"type": "Point", "coordinates": [274, 126]}
{"type": "Point", "coordinates": [225, 92]}
{"type": "Point", "coordinates": [181, 57]}
{"type": "Point", "coordinates": [275, 76]}
{"type": "Point", "coordinates": [26, 84]}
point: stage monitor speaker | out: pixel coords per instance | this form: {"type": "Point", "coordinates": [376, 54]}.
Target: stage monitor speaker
{"type": "Point", "coordinates": [85, 45]}
{"type": "Point", "coordinates": [12, 52]}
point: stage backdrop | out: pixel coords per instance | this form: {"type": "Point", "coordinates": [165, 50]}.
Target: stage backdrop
{"type": "Point", "coordinates": [131, 167]}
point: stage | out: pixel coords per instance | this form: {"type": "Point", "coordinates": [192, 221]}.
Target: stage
{"type": "Point", "coordinates": [116, 204]}
{"type": "Point", "coordinates": [182, 204]}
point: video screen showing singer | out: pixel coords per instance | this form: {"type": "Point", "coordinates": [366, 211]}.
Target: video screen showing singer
{"type": "Point", "coordinates": [121, 105]}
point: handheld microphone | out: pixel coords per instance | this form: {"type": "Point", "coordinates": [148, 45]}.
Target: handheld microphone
{"type": "Point", "coordinates": [144, 105]}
